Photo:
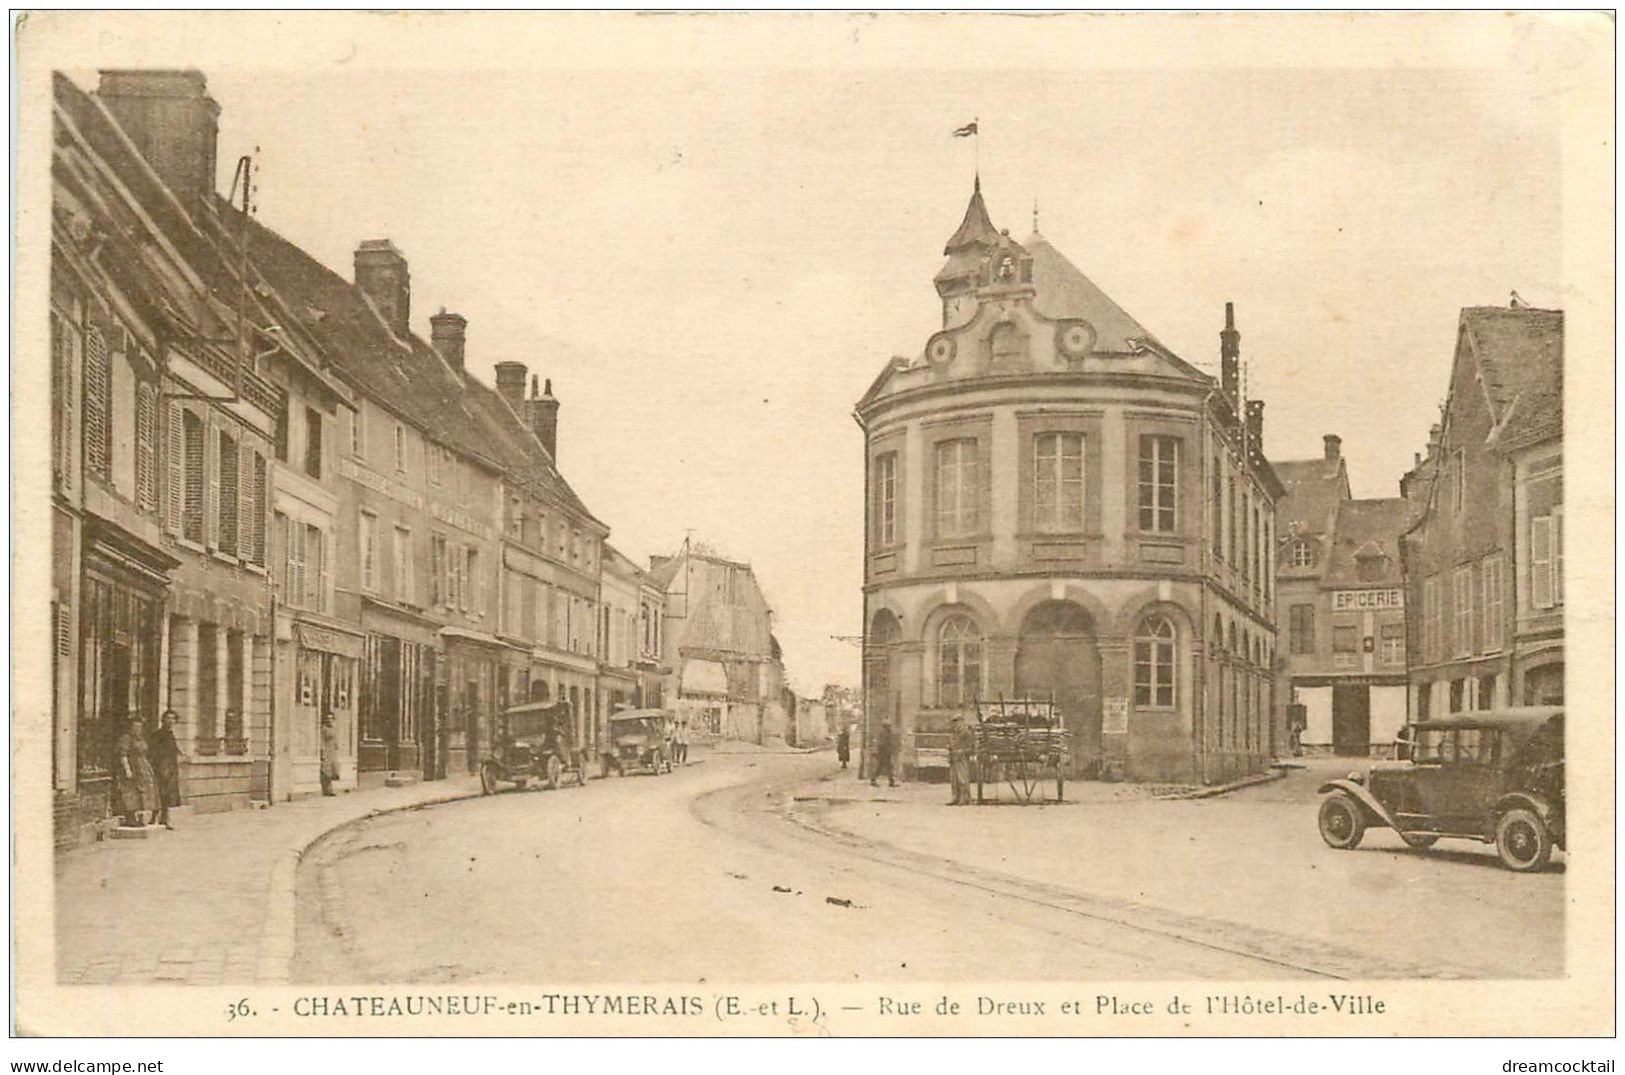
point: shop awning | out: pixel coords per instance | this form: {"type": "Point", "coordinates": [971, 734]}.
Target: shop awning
{"type": "Point", "coordinates": [704, 677]}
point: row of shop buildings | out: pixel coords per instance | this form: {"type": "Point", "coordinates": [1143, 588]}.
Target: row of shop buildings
{"type": "Point", "coordinates": [273, 500]}
{"type": "Point", "coordinates": [1449, 597]}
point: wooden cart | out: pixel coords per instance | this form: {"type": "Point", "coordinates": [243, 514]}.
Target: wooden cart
{"type": "Point", "coordinates": [1021, 742]}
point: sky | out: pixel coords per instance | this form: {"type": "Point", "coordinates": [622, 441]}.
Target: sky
{"type": "Point", "coordinates": [711, 243]}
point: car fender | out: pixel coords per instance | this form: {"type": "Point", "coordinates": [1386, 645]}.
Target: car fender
{"type": "Point", "coordinates": [1525, 800]}
{"type": "Point", "coordinates": [1362, 795]}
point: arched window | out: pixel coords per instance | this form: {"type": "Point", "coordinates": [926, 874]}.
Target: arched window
{"type": "Point", "coordinates": [884, 632]}
{"type": "Point", "coordinates": [1303, 553]}
{"type": "Point", "coordinates": [959, 661]}
{"type": "Point", "coordinates": [1154, 663]}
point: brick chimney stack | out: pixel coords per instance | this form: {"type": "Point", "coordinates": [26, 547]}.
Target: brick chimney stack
{"type": "Point", "coordinates": [511, 385]}
{"type": "Point", "coordinates": [380, 273]}
{"type": "Point", "coordinates": [1334, 447]}
{"type": "Point", "coordinates": [173, 121]}
{"type": "Point", "coordinates": [446, 332]}
{"type": "Point", "coordinates": [544, 417]}
{"type": "Point", "coordinates": [1230, 354]}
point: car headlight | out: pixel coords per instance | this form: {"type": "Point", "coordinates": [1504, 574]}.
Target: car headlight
{"type": "Point", "coordinates": [1358, 778]}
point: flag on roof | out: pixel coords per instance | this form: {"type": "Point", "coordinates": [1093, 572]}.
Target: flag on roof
{"type": "Point", "coordinates": [966, 131]}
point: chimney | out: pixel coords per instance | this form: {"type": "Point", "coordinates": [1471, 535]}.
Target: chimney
{"type": "Point", "coordinates": [1435, 435]}
{"type": "Point", "coordinates": [1230, 354]}
{"type": "Point", "coordinates": [380, 273]}
{"type": "Point", "coordinates": [1255, 426]}
{"type": "Point", "coordinates": [1334, 447]}
{"type": "Point", "coordinates": [446, 333]}
{"type": "Point", "coordinates": [172, 120]}
{"type": "Point", "coordinates": [511, 385]}
{"type": "Point", "coordinates": [544, 417]}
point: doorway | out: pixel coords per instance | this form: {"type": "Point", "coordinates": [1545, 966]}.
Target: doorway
{"type": "Point", "coordinates": [1351, 721]}
{"type": "Point", "coordinates": [1057, 658]}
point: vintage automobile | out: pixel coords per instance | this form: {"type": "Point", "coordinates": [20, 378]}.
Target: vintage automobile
{"type": "Point", "coordinates": [638, 739]}
{"type": "Point", "coordinates": [533, 742]}
{"type": "Point", "coordinates": [1494, 776]}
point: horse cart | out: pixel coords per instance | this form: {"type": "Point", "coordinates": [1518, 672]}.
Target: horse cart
{"type": "Point", "coordinates": [1020, 742]}
{"type": "Point", "coordinates": [535, 741]}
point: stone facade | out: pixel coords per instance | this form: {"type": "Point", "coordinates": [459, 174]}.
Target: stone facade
{"type": "Point", "coordinates": [1058, 507]}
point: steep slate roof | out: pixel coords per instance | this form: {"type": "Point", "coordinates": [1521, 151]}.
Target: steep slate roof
{"type": "Point", "coordinates": [1371, 526]}
{"type": "Point", "coordinates": [1520, 362]}
{"type": "Point", "coordinates": [976, 228]}
{"type": "Point", "coordinates": [1063, 291]}
{"type": "Point", "coordinates": [1314, 487]}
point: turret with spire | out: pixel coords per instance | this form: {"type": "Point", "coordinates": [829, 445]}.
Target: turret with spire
{"type": "Point", "coordinates": [971, 249]}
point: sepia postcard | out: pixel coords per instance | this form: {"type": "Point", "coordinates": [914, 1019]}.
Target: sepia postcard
{"type": "Point", "coordinates": [836, 524]}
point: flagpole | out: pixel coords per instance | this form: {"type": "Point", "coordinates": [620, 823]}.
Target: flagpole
{"type": "Point", "coordinates": [976, 137]}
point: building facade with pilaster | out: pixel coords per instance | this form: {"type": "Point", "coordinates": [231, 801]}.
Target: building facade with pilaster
{"type": "Point", "coordinates": [1060, 508]}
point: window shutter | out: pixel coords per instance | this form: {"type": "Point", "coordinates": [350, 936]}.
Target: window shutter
{"type": "Point", "coordinates": [63, 405]}
{"type": "Point", "coordinates": [174, 469]}
{"type": "Point", "coordinates": [322, 582]}
{"type": "Point", "coordinates": [284, 524]}
{"type": "Point", "coordinates": [1557, 555]}
{"type": "Point", "coordinates": [146, 435]}
{"type": "Point", "coordinates": [247, 505]}
{"type": "Point", "coordinates": [211, 475]}
{"type": "Point", "coordinates": [1540, 562]}
{"type": "Point", "coordinates": [97, 391]}
{"type": "Point", "coordinates": [260, 508]}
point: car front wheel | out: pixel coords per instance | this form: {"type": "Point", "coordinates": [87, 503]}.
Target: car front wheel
{"type": "Point", "coordinates": [1522, 840]}
{"type": "Point", "coordinates": [1341, 823]}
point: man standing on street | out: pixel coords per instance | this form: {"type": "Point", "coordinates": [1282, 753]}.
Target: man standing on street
{"type": "Point", "coordinates": [960, 748]}
{"type": "Point", "coordinates": [329, 754]}
{"type": "Point", "coordinates": [883, 756]}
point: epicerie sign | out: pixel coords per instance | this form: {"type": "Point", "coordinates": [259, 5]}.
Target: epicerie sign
{"type": "Point", "coordinates": [1367, 600]}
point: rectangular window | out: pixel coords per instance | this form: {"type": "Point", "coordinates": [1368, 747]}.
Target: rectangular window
{"type": "Point", "coordinates": [957, 488]}
{"type": "Point", "coordinates": [476, 582]}
{"type": "Point", "coordinates": [1458, 695]}
{"type": "Point", "coordinates": [432, 452]}
{"type": "Point", "coordinates": [1217, 508]}
{"type": "Point", "coordinates": [1486, 691]}
{"type": "Point", "coordinates": [1462, 585]}
{"type": "Point", "coordinates": [313, 442]}
{"type": "Point", "coordinates": [886, 499]}
{"type": "Point", "coordinates": [1546, 560]}
{"type": "Point", "coordinates": [1058, 481]}
{"type": "Point", "coordinates": [369, 552]}
{"type": "Point", "coordinates": [192, 496]}
{"type": "Point", "coordinates": [316, 582]}
{"type": "Point", "coordinates": [1393, 644]}
{"type": "Point", "coordinates": [437, 570]}
{"type": "Point", "coordinates": [1458, 474]}
{"type": "Point", "coordinates": [405, 584]}
{"type": "Point", "coordinates": [1493, 604]}
{"type": "Point", "coordinates": [1302, 629]}
{"type": "Point", "coordinates": [400, 447]}
{"type": "Point", "coordinates": [1345, 639]}
{"type": "Point", "coordinates": [226, 528]}
{"type": "Point", "coordinates": [1159, 479]}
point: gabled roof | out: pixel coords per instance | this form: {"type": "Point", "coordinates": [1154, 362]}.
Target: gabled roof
{"type": "Point", "coordinates": [1519, 350]}
{"type": "Point", "coordinates": [1063, 291]}
{"type": "Point", "coordinates": [1366, 529]}
{"type": "Point", "coordinates": [1314, 488]}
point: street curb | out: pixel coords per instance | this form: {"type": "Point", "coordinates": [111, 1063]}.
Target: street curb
{"type": "Point", "coordinates": [1224, 789]}
{"type": "Point", "coordinates": [278, 933]}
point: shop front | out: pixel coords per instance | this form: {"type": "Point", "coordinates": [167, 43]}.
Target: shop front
{"type": "Point", "coordinates": [318, 671]}
{"type": "Point", "coordinates": [398, 724]}
{"type": "Point", "coordinates": [474, 669]}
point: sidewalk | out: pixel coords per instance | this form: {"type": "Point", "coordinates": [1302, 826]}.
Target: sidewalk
{"type": "Point", "coordinates": [210, 903]}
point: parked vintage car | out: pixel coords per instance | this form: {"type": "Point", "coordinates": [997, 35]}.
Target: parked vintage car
{"type": "Point", "coordinates": [638, 739]}
{"type": "Point", "coordinates": [1494, 776]}
{"type": "Point", "coordinates": [533, 742]}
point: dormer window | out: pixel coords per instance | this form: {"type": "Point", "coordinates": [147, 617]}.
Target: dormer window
{"type": "Point", "coordinates": [1303, 553]}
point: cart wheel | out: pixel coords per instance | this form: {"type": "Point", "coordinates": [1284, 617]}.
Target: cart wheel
{"type": "Point", "coordinates": [488, 778]}
{"type": "Point", "coordinates": [554, 768]}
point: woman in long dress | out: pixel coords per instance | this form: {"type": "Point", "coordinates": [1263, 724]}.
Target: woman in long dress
{"type": "Point", "coordinates": [132, 773]}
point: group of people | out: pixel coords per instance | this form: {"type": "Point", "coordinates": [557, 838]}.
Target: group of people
{"type": "Point", "coordinates": [961, 749]}
{"type": "Point", "coordinates": [147, 771]}
{"type": "Point", "coordinates": [679, 742]}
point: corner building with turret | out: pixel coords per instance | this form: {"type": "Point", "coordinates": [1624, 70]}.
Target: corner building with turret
{"type": "Point", "coordinates": [1060, 508]}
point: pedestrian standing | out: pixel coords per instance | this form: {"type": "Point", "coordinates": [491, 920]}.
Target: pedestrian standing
{"type": "Point", "coordinates": [960, 747]}
{"type": "Point", "coordinates": [330, 752]}
{"type": "Point", "coordinates": [883, 756]}
{"type": "Point", "coordinates": [132, 773]}
{"type": "Point", "coordinates": [166, 766]}
{"type": "Point", "coordinates": [682, 742]}
{"type": "Point", "coordinates": [843, 746]}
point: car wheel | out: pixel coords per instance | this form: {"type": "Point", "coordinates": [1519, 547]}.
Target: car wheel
{"type": "Point", "coordinates": [1341, 822]}
{"type": "Point", "coordinates": [488, 778]}
{"type": "Point", "coordinates": [1418, 839]}
{"type": "Point", "coordinates": [1522, 840]}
